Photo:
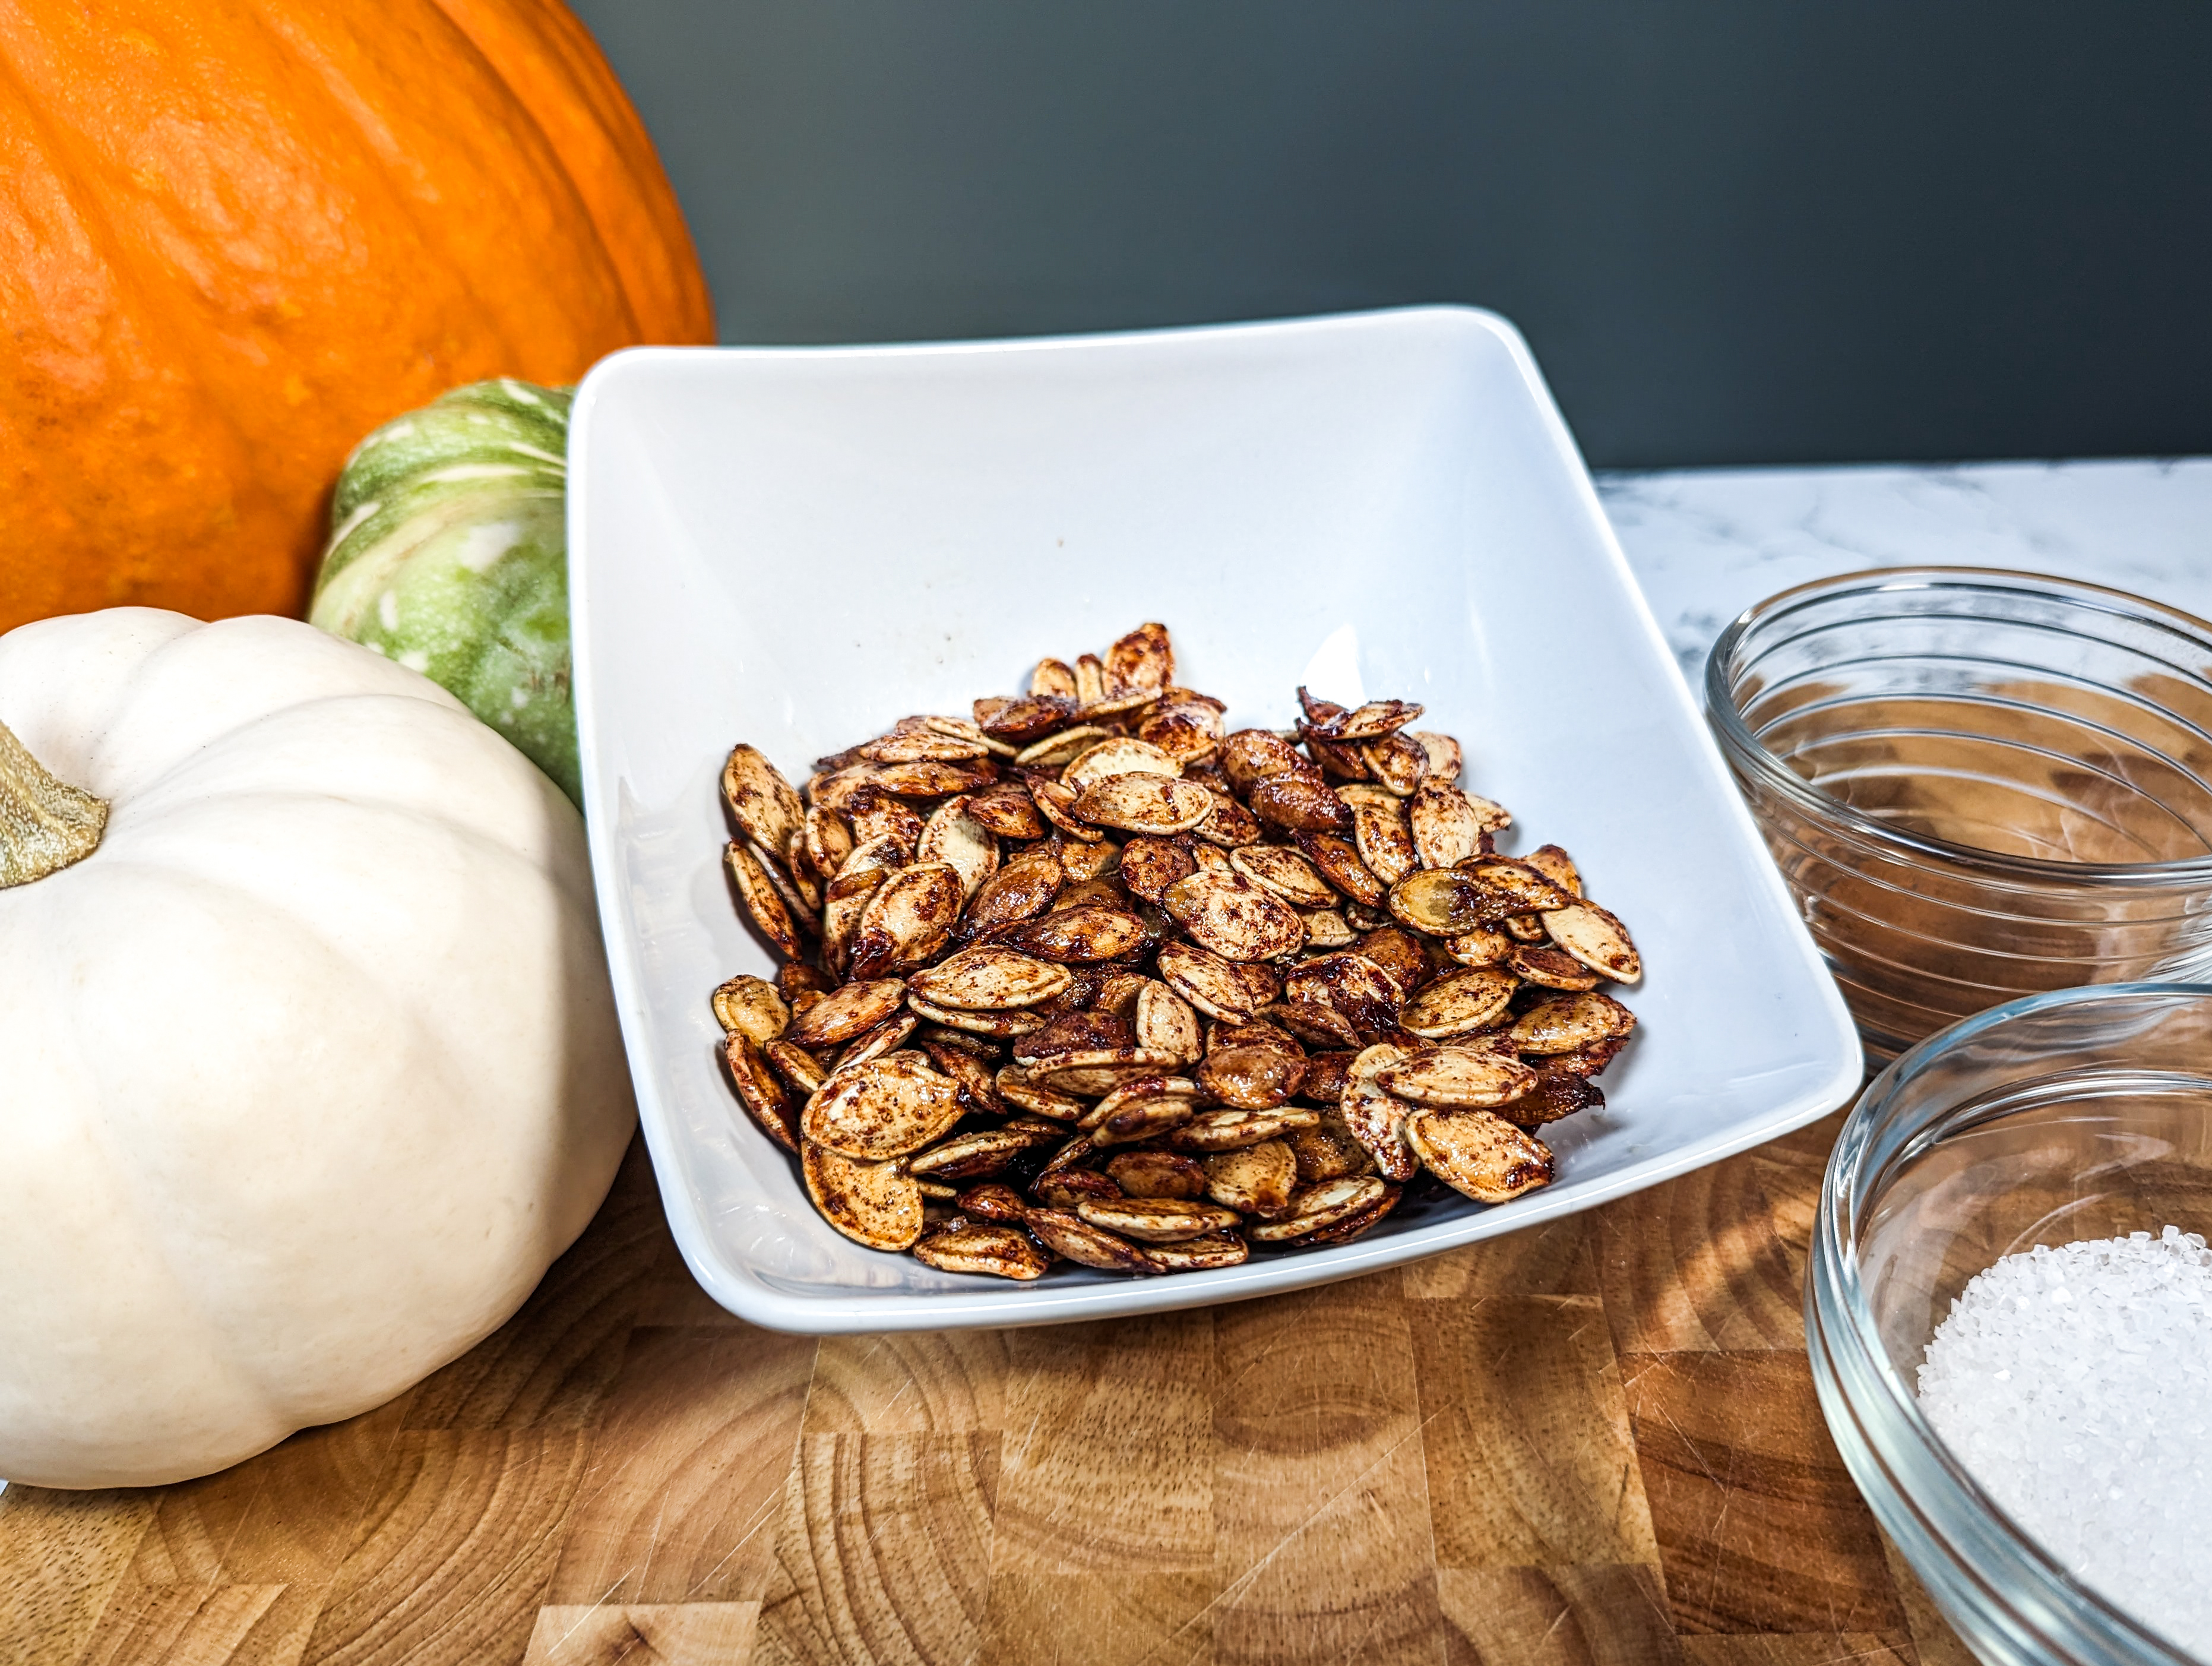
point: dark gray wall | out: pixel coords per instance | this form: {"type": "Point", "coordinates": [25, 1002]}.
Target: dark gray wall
{"type": "Point", "coordinates": [1734, 230]}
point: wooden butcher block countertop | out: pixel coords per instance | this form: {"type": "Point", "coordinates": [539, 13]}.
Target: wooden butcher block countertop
{"type": "Point", "coordinates": [1593, 1442]}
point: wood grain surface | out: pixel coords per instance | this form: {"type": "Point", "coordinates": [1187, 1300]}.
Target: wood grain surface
{"type": "Point", "coordinates": [1592, 1444]}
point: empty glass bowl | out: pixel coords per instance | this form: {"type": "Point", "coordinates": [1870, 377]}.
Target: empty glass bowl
{"type": "Point", "coordinates": [2084, 1114]}
{"type": "Point", "coordinates": [1978, 784]}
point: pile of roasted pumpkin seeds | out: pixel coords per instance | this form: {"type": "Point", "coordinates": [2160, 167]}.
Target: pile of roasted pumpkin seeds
{"type": "Point", "coordinates": [1083, 976]}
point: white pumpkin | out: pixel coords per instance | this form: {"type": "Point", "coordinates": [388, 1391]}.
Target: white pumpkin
{"type": "Point", "coordinates": [307, 1071]}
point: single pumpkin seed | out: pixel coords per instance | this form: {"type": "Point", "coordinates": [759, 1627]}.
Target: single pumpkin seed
{"type": "Point", "coordinates": [992, 1201]}
{"type": "Point", "coordinates": [1063, 1189]}
{"type": "Point", "coordinates": [834, 789]}
{"type": "Point", "coordinates": [1550, 968]}
{"type": "Point", "coordinates": [1230, 826]}
{"type": "Point", "coordinates": [975, 1076]}
{"type": "Point", "coordinates": [961, 728]}
{"type": "Point", "coordinates": [875, 1204]}
{"type": "Point", "coordinates": [758, 1090]}
{"type": "Point", "coordinates": [1530, 890]}
{"type": "Point", "coordinates": [998, 1248]}
{"type": "Point", "coordinates": [1445, 758]}
{"type": "Point", "coordinates": [885, 1037]}
{"type": "Point", "coordinates": [1093, 859]}
{"type": "Point", "coordinates": [1459, 1003]}
{"type": "Point", "coordinates": [1327, 929]}
{"type": "Point", "coordinates": [1587, 1060]}
{"type": "Point", "coordinates": [1314, 1024]}
{"type": "Point", "coordinates": [763, 900]}
{"type": "Point", "coordinates": [1347, 1230]}
{"type": "Point", "coordinates": [1454, 1077]}
{"type": "Point", "coordinates": [1200, 1254]}
{"type": "Point", "coordinates": [1157, 1219]}
{"type": "Point", "coordinates": [908, 920]}
{"type": "Point", "coordinates": [1445, 902]}
{"type": "Point", "coordinates": [1338, 861]}
{"type": "Point", "coordinates": [1007, 811]}
{"type": "Point", "coordinates": [1254, 1179]}
{"type": "Point", "coordinates": [1283, 871]}
{"type": "Point", "coordinates": [848, 1011]}
{"type": "Point", "coordinates": [1149, 866]}
{"type": "Point", "coordinates": [1555, 864]}
{"type": "Point", "coordinates": [882, 1109]}
{"type": "Point", "coordinates": [989, 978]}
{"type": "Point", "coordinates": [1327, 1150]}
{"type": "Point", "coordinates": [1443, 825]}
{"type": "Point", "coordinates": [1140, 803]}
{"type": "Point", "coordinates": [1217, 988]}
{"type": "Point", "coordinates": [954, 838]}
{"type": "Point", "coordinates": [1365, 996]}
{"type": "Point", "coordinates": [984, 1150]}
{"type": "Point", "coordinates": [1399, 763]}
{"type": "Point", "coordinates": [1157, 1174]}
{"type": "Point", "coordinates": [1597, 939]}
{"type": "Point", "coordinates": [1053, 677]}
{"type": "Point", "coordinates": [1097, 1070]}
{"type": "Point", "coordinates": [1082, 933]}
{"type": "Point", "coordinates": [1056, 804]}
{"type": "Point", "coordinates": [1231, 916]}
{"type": "Point", "coordinates": [1057, 751]}
{"type": "Point", "coordinates": [1143, 659]}
{"type": "Point", "coordinates": [808, 918]}
{"type": "Point", "coordinates": [829, 841]}
{"type": "Point", "coordinates": [1016, 1088]}
{"type": "Point", "coordinates": [1482, 945]}
{"type": "Point", "coordinates": [914, 745]}
{"type": "Point", "coordinates": [751, 1006]}
{"type": "Point", "coordinates": [1187, 732]}
{"type": "Point", "coordinates": [1525, 927]}
{"type": "Point", "coordinates": [1376, 1116]}
{"type": "Point", "coordinates": [1070, 1235]}
{"type": "Point", "coordinates": [1314, 1208]}
{"type": "Point", "coordinates": [1250, 756]}
{"type": "Point", "coordinates": [1570, 1022]}
{"type": "Point", "coordinates": [1480, 1153]}
{"type": "Point", "coordinates": [1371, 722]}
{"type": "Point", "coordinates": [1386, 848]}
{"type": "Point", "coordinates": [1300, 803]}
{"type": "Point", "coordinates": [801, 1071]}
{"type": "Point", "coordinates": [1558, 1093]}
{"type": "Point", "coordinates": [1139, 1108]}
{"type": "Point", "coordinates": [1015, 1021]}
{"type": "Point", "coordinates": [1251, 1068]}
{"type": "Point", "coordinates": [1165, 1024]}
{"type": "Point", "coordinates": [760, 801]}
{"type": "Point", "coordinates": [1119, 754]}
{"type": "Point", "coordinates": [1022, 889]}
{"type": "Point", "coordinates": [1327, 1073]}
{"type": "Point", "coordinates": [1228, 1130]}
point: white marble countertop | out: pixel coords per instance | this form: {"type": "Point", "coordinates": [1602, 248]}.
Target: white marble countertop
{"type": "Point", "coordinates": [1707, 543]}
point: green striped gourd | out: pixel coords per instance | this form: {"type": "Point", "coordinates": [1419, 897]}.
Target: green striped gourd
{"type": "Point", "coordinates": [449, 553]}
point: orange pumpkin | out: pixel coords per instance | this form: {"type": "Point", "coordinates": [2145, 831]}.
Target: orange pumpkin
{"type": "Point", "coordinates": [235, 235]}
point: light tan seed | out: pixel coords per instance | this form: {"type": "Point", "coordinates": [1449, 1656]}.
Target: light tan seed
{"type": "Point", "coordinates": [1459, 1003]}
{"type": "Point", "coordinates": [1357, 792]}
{"type": "Point", "coordinates": [837, 788]}
{"type": "Point", "coordinates": [1550, 968]}
{"type": "Point", "coordinates": [1120, 755]}
{"type": "Point", "coordinates": [1143, 659]}
{"type": "Point", "coordinates": [884, 1107]}
{"type": "Point", "coordinates": [1165, 1024]}
{"type": "Point", "coordinates": [1217, 988]}
{"type": "Point", "coordinates": [1484, 946]}
{"type": "Point", "coordinates": [875, 1204]}
{"type": "Point", "coordinates": [1249, 756]}
{"type": "Point", "coordinates": [1013, 1022]}
{"type": "Point", "coordinates": [1371, 722]}
{"type": "Point", "coordinates": [1082, 933]}
{"type": "Point", "coordinates": [1525, 927]}
{"type": "Point", "coordinates": [1327, 1150]}
{"type": "Point", "coordinates": [998, 1248]}
{"type": "Point", "coordinates": [994, 1201]}
{"type": "Point", "coordinates": [891, 1033]}
{"type": "Point", "coordinates": [1399, 763]}
{"type": "Point", "coordinates": [848, 1011]}
{"type": "Point", "coordinates": [1200, 1254]}
{"type": "Point", "coordinates": [1327, 929]}
{"type": "Point", "coordinates": [1445, 758]}
{"type": "Point", "coordinates": [1345, 1231]}
{"type": "Point", "coordinates": [799, 867]}
{"type": "Point", "coordinates": [1233, 917]}
{"type": "Point", "coordinates": [1090, 678]}
{"type": "Point", "coordinates": [1230, 826]}
{"type": "Point", "coordinates": [1057, 806]}
{"type": "Point", "coordinates": [1280, 869]}
{"type": "Point", "coordinates": [1385, 847]}
{"type": "Point", "coordinates": [1555, 864]}
{"type": "Point", "coordinates": [1316, 1208]}
{"type": "Point", "coordinates": [829, 841]}
{"type": "Point", "coordinates": [1570, 1022]}
{"type": "Point", "coordinates": [1157, 1219]}
{"type": "Point", "coordinates": [971, 1073]}
{"type": "Point", "coordinates": [1139, 1109]}
{"type": "Point", "coordinates": [795, 900]}
{"type": "Point", "coordinates": [1206, 859]}
{"type": "Point", "coordinates": [984, 1150]}
{"type": "Point", "coordinates": [1057, 751]}
{"type": "Point", "coordinates": [1446, 831]}
{"type": "Point", "coordinates": [1140, 803]}
{"type": "Point", "coordinates": [1254, 1179]}
{"type": "Point", "coordinates": [989, 978]}
{"type": "Point", "coordinates": [1092, 859]}
{"type": "Point", "coordinates": [1347, 983]}
{"type": "Point", "coordinates": [801, 1071]}
{"type": "Point", "coordinates": [908, 920]}
{"type": "Point", "coordinates": [1596, 939]}
{"type": "Point", "coordinates": [761, 801]}
{"type": "Point", "coordinates": [1157, 1174]}
{"type": "Point", "coordinates": [1338, 859]}
{"type": "Point", "coordinates": [758, 1091]}
{"type": "Point", "coordinates": [1530, 891]}
{"type": "Point", "coordinates": [1096, 1070]}
{"type": "Point", "coordinates": [1016, 1088]}
{"type": "Point", "coordinates": [1454, 1078]}
{"type": "Point", "coordinates": [1118, 994]}
{"type": "Point", "coordinates": [1480, 1153]}
{"type": "Point", "coordinates": [751, 1006]}
{"type": "Point", "coordinates": [916, 744]}
{"type": "Point", "coordinates": [961, 728]}
{"type": "Point", "coordinates": [1228, 1130]}
{"type": "Point", "coordinates": [1445, 902]}
{"type": "Point", "coordinates": [951, 836]}
{"type": "Point", "coordinates": [1070, 1235]}
{"type": "Point", "coordinates": [1375, 1116]}
{"type": "Point", "coordinates": [764, 901]}
{"type": "Point", "coordinates": [1053, 678]}
{"type": "Point", "coordinates": [1007, 811]}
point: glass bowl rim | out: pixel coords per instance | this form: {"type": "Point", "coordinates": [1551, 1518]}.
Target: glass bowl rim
{"type": "Point", "coordinates": [1745, 750]}
{"type": "Point", "coordinates": [1944, 1493]}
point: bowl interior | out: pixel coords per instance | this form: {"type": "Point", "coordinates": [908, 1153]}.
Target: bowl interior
{"type": "Point", "coordinates": [796, 548]}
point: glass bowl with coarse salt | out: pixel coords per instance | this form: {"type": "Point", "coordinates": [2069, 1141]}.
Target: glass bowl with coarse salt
{"type": "Point", "coordinates": [2009, 1317]}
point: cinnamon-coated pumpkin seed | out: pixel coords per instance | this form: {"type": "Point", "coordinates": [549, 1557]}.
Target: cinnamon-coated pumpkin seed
{"type": "Point", "coordinates": [1385, 847]}
{"type": "Point", "coordinates": [1140, 803]}
{"type": "Point", "coordinates": [1345, 1231]}
{"type": "Point", "coordinates": [1254, 1179]}
{"type": "Point", "coordinates": [992, 1201]}
{"type": "Point", "coordinates": [875, 1204]}
{"type": "Point", "coordinates": [1597, 939]}
{"type": "Point", "coordinates": [834, 789]}
{"type": "Point", "coordinates": [1120, 754]}
{"type": "Point", "coordinates": [1327, 1073]}
{"type": "Point", "coordinates": [751, 1007]}
{"type": "Point", "coordinates": [1313, 1024]}
{"type": "Point", "coordinates": [1157, 1174]}
{"type": "Point", "coordinates": [1555, 864]}
{"type": "Point", "coordinates": [1217, 988]}
{"type": "Point", "coordinates": [1149, 866]}
{"type": "Point", "coordinates": [808, 918]}
{"type": "Point", "coordinates": [961, 728]}
{"type": "Point", "coordinates": [1091, 860]}
{"type": "Point", "coordinates": [1200, 1254]}
{"type": "Point", "coordinates": [758, 1090]}
{"type": "Point", "coordinates": [1234, 918]}
{"type": "Point", "coordinates": [763, 900]}
{"type": "Point", "coordinates": [801, 1071]}
{"type": "Point", "coordinates": [1480, 1153]}
{"type": "Point", "coordinates": [1006, 810]}
{"type": "Point", "coordinates": [1250, 756]}
{"type": "Point", "coordinates": [1023, 723]}
{"type": "Point", "coordinates": [1187, 732]}
{"type": "Point", "coordinates": [1022, 889]}
{"type": "Point", "coordinates": [891, 1033]}
{"type": "Point", "coordinates": [1142, 659]}
{"type": "Point", "coordinates": [1558, 1093]}
{"type": "Point", "coordinates": [1530, 890]}
{"type": "Point", "coordinates": [1523, 927]}
{"type": "Point", "coordinates": [1348, 982]}
{"type": "Point", "coordinates": [1459, 1003]}
{"type": "Point", "coordinates": [1456, 1077]}
{"type": "Point", "coordinates": [1139, 1109]}
{"type": "Point", "coordinates": [975, 1077]}
{"type": "Point", "coordinates": [1096, 1071]}
{"type": "Point", "coordinates": [1077, 934]}
{"type": "Point", "coordinates": [1283, 871]}
{"type": "Point", "coordinates": [981, 1151]}
{"type": "Point", "coordinates": [1443, 825]}
{"type": "Point", "coordinates": [1549, 968]}
{"type": "Point", "coordinates": [1374, 1116]}
{"type": "Point", "coordinates": [951, 836]}
{"type": "Point", "coordinates": [1337, 859]}
{"type": "Point", "coordinates": [882, 1109]}
{"type": "Point", "coordinates": [1227, 1130]}
{"type": "Point", "coordinates": [1371, 722]}
{"type": "Point", "coordinates": [1165, 1024]}
{"type": "Point", "coordinates": [998, 1248]}
{"type": "Point", "coordinates": [1057, 751]}
{"type": "Point", "coordinates": [1400, 764]}
{"type": "Point", "coordinates": [760, 801]}
{"type": "Point", "coordinates": [1570, 1022]}
{"type": "Point", "coordinates": [829, 841]}
{"type": "Point", "coordinates": [1299, 803]}
{"type": "Point", "coordinates": [908, 920]}
{"type": "Point", "coordinates": [1157, 1219]}
{"type": "Point", "coordinates": [1016, 1088]}
{"type": "Point", "coordinates": [1056, 804]}
{"type": "Point", "coordinates": [1016, 1021]}
{"type": "Point", "coordinates": [1445, 902]}
{"type": "Point", "coordinates": [1482, 945]}
{"type": "Point", "coordinates": [1250, 1066]}
{"type": "Point", "coordinates": [1315, 1207]}
{"type": "Point", "coordinates": [1327, 929]}
{"type": "Point", "coordinates": [988, 978]}
{"type": "Point", "coordinates": [1056, 677]}
{"type": "Point", "coordinates": [1068, 1234]}
{"type": "Point", "coordinates": [929, 779]}
{"type": "Point", "coordinates": [916, 746]}
{"type": "Point", "coordinates": [1327, 1150]}
{"type": "Point", "coordinates": [848, 1011]}
{"type": "Point", "coordinates": [1231, 826]}
{"type": "Point", "coordinates": [1445, 758]}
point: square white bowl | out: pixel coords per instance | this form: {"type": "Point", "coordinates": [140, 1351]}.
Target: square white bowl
{"type": "Point", "coordinates": [796, 547]}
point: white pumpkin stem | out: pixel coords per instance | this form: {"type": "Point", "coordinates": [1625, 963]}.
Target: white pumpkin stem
{"type": "Point", "coordinates": [44, 824]}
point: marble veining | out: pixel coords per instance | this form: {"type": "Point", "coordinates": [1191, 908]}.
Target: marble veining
{"type": "Point", "coordinates": [1707, 543]}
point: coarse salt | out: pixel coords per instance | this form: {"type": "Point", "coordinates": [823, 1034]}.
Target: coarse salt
{"type": "Point", "coordinates": [2076, 1384]}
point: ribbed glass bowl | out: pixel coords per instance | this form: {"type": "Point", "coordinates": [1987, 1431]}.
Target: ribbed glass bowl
{"type": "Point", "coordinates": [1978, 784]}
{"type": "Point", "coordinates": [2082, 1114]}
